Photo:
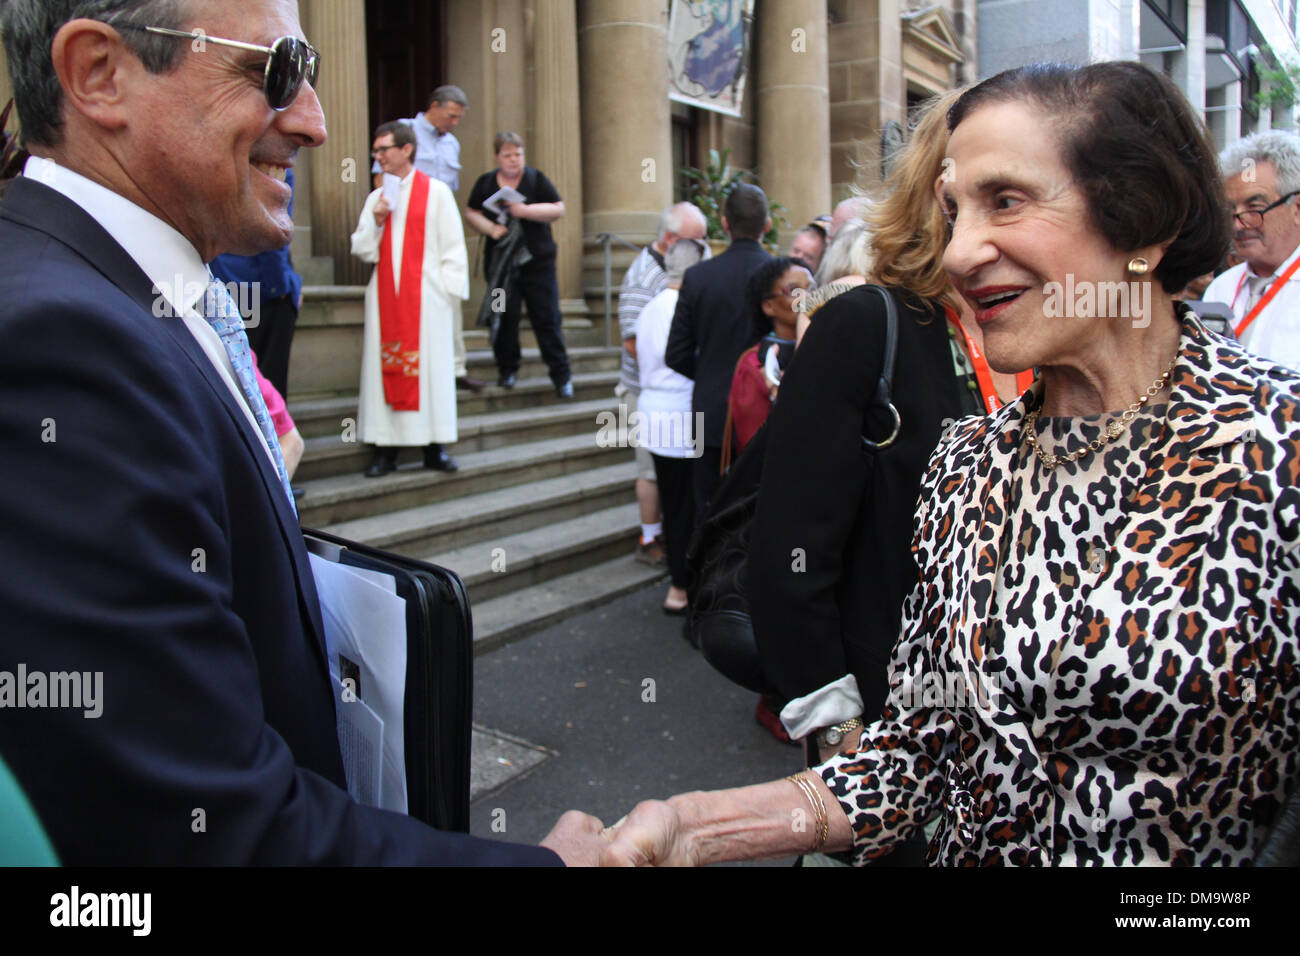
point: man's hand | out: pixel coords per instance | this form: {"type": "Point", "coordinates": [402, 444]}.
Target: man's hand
{"type": "Point", "coordinates": [382, 209]}
{"type": "Point", "coordinates": [629, 346]}
{"type": "Point", "coordinates": [653, 834]}
{"type": "Point", "coordinates": [577, 838]}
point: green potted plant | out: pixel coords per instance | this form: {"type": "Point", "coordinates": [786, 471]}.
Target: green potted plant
{"type": "Point", "coordinates": [709, 187]}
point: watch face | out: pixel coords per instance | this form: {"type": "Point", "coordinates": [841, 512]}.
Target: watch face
{"type": "Point", "coordinates": [833, 736]}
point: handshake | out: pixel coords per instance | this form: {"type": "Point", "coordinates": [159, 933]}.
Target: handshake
{"type": "Point", "coordinates": [762, 821]}
{"type": "Point", "coordinates": [653, 834]}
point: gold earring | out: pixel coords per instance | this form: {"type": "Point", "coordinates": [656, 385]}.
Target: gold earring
{"type": "Point", "coordinates": [1138, 266]}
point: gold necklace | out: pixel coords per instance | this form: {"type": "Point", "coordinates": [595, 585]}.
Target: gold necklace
{"type": "Point", "coordinates": [1112, 430]}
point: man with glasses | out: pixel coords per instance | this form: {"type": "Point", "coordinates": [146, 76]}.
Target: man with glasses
{"type": "Point", "coordinates": [437, 155]}
{"type": "Point", "coordinates": [408, 390]}
{"type": "Point", "coordinates": [1262, 179]}
{"type": "Point", "coordinates": [148, 540]}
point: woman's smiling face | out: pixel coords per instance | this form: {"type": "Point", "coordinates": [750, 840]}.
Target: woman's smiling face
{"type": "Point", "coordinates": [1018, 224]}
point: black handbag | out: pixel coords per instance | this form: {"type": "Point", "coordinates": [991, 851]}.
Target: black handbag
{"type": "Point", "coordinates": [718, 622]}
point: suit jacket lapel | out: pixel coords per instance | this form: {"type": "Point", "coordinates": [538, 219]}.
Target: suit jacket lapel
{"type": "Point", "coordinates": [39, 207]}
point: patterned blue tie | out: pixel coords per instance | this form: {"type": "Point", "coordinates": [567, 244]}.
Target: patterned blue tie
{"type": "Point", "coordinates": [223, 315]}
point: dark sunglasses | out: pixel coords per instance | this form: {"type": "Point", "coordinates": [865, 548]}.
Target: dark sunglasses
{"type": "Point", "coordinates": [289, 61]}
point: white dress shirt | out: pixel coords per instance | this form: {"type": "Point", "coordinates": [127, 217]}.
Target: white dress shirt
{"type": "Point", "coordinates": [1275, 334]}
{"type": "Point", "coordinates": [171, 262]}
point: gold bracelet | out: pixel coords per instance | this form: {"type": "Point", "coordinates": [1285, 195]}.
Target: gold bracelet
{"type": "Point", "coordinates": [809, 790]}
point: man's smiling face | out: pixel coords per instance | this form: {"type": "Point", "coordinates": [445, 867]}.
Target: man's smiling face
{"type": "Point", "coordinates": [208, 150]}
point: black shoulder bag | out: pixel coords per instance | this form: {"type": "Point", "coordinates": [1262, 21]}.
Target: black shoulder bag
{"type": "Point", "coordinates": [718, 622]}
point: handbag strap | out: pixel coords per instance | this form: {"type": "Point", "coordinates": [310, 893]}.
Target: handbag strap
{"type": "Point", "coordinates": [884, 387]}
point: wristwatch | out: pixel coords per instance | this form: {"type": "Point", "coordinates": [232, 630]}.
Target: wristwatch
{"type": "Point", "coordinates": [831, 736]}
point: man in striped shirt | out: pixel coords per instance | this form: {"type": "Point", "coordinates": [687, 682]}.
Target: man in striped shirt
{"type": "Point", "coordinates": [645, 278]}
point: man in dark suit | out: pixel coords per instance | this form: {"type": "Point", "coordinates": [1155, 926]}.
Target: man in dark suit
{"type": "Point", "coordinates": [148, 548]}
{"type": "Point", "coordinates": [711, 327]}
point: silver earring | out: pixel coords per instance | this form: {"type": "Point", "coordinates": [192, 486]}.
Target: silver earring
{"type": "Point", "coordinates": [1138, 266]}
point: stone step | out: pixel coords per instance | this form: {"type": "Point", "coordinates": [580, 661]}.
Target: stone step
{"type": "Point", "coordinates": [317, 415]}
{"type": "Point", "coordinates": [482, 365]}
{"type": "Point", "coordinates": [326, 356]}
{"type": "Point", "coordinates": [497, 566]}
{"type": "Point", "coordinates": [458, 523]}
{"type": "Point", "coordinates": [328, 455]}
{"type": "Point", "coordinates": [346, 497]}
{"type": "Point", "coordinates": [508, 618]}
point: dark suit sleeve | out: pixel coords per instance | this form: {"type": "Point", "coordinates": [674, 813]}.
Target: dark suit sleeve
{"type": "Point", "coordinates": [117, 541]}
{"type": "Point", "coordinates": [814, 475]}
{"type": "Point", "coordinates": [679, 355]}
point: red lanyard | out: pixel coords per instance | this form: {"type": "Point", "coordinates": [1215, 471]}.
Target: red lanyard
{"type": "Point", "coordinates": [1265, 299]}
{"type": "Point", "coordinates": [984, 374]}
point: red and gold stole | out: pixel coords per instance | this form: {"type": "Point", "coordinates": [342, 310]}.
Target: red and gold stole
{"type": "Point", "coordinates": [399, 310]}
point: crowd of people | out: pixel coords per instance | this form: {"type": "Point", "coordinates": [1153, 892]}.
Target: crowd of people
{"type": "Point", "coordinates": [1024, 564]}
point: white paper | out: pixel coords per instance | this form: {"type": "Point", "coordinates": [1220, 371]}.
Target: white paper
{"type": "Point", "coordinates": [499, 200]}
{"type": "Point", "coordinates": [390, 187]}
{"type": "Point", "coordinates": [367, 624]}
{"type": "Point", "coordinates": [361, 737]}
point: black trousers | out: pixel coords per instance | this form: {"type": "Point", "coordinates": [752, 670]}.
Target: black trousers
{"type": "Point", "coordinates": [677, 499]}
{"type": "Point", "coordinates": [537, 287]}
{"type": "Point", "coordinates": [272, 338]}
{"type": "Point", "coordinates": [706, 478]}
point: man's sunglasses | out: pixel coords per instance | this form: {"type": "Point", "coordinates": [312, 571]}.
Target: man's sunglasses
{"type": "Point", "coordinates": [289, 61]}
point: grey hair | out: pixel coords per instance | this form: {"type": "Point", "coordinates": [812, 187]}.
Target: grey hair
{"type": "Point", "coordinates": [449, 94]}
{"type": "Point", "coordinates": [29, 27]}
{"type": "Point", "coordinates": [848, 254]}
{"type": "Point", "coordinates": [1279, 147]}
{"type": "Point", "coordinates": [673, 219]}
{"type": "Point", "coordinates": [681, 255]}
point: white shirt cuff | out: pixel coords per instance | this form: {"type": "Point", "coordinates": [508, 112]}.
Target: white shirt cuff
{"type": "Point", "coordinates": [833, 704]}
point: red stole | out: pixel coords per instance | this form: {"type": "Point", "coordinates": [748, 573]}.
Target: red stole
{"type": "Point", "coordinates": [399, 310]}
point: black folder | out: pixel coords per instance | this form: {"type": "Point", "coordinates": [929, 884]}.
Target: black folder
{"type": "Point", "coordinates": [439, 679]}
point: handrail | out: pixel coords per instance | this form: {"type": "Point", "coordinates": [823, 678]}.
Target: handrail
{"type": "Point", "coordinates": [606, 239]}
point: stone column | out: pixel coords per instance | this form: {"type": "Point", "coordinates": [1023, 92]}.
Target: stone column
{"type": "Point", "coordinates": [1191, 75]}
{"type": "Point", "coordinates": [340, 173]}
{"type": "Point", "coordinates": [626, 124]}
{"type": "Point", "coordinates": [794, 108]}
{"type": "Point", "coordinates": [555, 148]}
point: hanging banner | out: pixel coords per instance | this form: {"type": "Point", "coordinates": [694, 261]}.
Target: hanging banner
{"type": "Point", "coordinates": [708, 53]}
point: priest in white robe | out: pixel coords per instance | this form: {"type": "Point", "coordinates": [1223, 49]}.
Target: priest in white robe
{"type": "Point", "coordinates": [408, 375]}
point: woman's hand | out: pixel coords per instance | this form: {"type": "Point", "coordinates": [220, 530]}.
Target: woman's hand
{"type": "Point", "coordinates": [499, 231]}
{"type": "Point", "coordinates": [519, 210]}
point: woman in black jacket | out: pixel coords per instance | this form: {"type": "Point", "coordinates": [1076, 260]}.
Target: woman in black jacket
{"type": "Point", "coordinates": [830, 561]}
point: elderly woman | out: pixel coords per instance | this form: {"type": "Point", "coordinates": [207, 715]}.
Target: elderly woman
{"type": "Point", "coordinates": [1098, 659]}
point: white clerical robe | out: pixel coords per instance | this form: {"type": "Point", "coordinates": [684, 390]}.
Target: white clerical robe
{"type": "Point", "coordinates": [446, 283]}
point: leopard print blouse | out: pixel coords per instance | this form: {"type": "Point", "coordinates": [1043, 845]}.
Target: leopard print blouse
{"type": "Point", "coordinates": [1099, 665]}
